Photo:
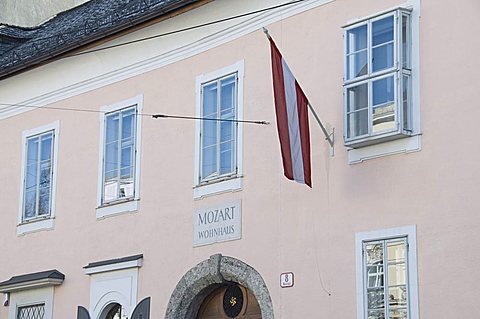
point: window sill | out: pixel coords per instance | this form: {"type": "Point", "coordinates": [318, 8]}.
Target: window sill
{"type": "Point", "coordinates": [117, 208]}
{"type": "Point", "coordinates": [35, 225]}
{"type": "Point", "coordinates": [216, 186]}
{"type": "Point", "coordinates": [385, 148]}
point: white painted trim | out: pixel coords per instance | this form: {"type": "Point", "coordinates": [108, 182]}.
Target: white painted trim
{"type": "Point", "coordinates": [117, 266]}
{"type": "Point", "coordinates": [43, 222]}
{"type": "Point", "coordinates": [32, 297]}
{"type": "Point", "coordinates": [118, 286]}
{"type": "Point", "coordinates": [40, 283]}
{"type": "Point", "coordinates": [399, 146]}
{"type": "Point", "coordinates": [214, 39]}
{"type": "Point", "coordinates": [228, 183]}
{"type": "Point", "coordinates": [410, 232]}
{"type": "Point", "coordinates": [127, 205]}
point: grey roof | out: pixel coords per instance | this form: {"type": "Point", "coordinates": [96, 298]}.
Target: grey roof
{"type": "Point", "coordinates": [113, 261]}
{"type": "Point", "coordinates": [49, 274]}
{"type": "Point", "coordinates": [21, 48]}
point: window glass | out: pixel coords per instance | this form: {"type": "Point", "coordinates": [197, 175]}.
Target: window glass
{"type": "Point", "coordinates": [383, 104]}
{"type": "Point", "coordinates": [357, 110]}
{"type": "Point", "coordinates": [357, 55]}
{"type": "Point", "coordinates": [218, 136]}
{"type": "Point", "coordinates": [382, 44]}
{"type": "Point", "coordinates": [386, 292]}
{"type": "Point", "coordinates": [38, 174]}
{"type": "Point", "coordinates": [119, 155]}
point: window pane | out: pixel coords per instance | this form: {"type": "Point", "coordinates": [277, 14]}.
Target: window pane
{"type": "Point", "coordinates": [375, 276]}
{"type": "Point", "coordinates": [127, 154]}
{"type": "Point", "coordinates": [397, 296]}
{"type": "Point", "coordinates": [44, 201]}
{"type": "Point", "coordinates": [128, 123]}
{"type": "Point", "coordinates": [111, 160]}
{"type": "Point", "coordinates": [126, 188]}
{"type": "Point", "coordinates": [209, 133]}
{"type": "Point", "coordinates": [209, 161]}
{"type": "Point", "coordinates": [228, 94]}
{"type": "Point", "coordinates": [382, 57]}
{"type": "Point", "coordinates": [376, 299]}
{"type": "Point", "coordinates": [374, 253]}
{"type": "Point", "coordinates": [209, 100]}
{"type": "Point", "coordinates": [382, 31]}
{"type": "Point", "coordinates": [357, 124]}
{"type": "Point", "coordinates": [226, 131]}
{"type": "Point", "coordinates": [396, 313]}
{"type": "Point", "coordinates": [357, 39]}
{"type": "Point", "coordinates": [357, 64]}
{"type": "Point", "coordinates": [376, 314]}
{"type": "Point", "coordinates": [407, 110]}
{"type": "Point", "coordinates": [110, 191]}
{"type": "Point", "coordinates": [46, 147]}
{"type": "Point", "coordinates": [32, 150]}
{"type": "Point", "coordinates": [383, 108]}
{"type": "Point", "coordinates": [31, 177]}
{"type": "Point", "coordinates": [357, 97]}
{"type": "Point", "coordinates": [396, 252]}
{"type": "Point", "coordinates": [226, 157]}
{"type": "Point", "coordinates": [396, 275]}
{"type": "Point", "coordinates": [111, 128]}
{"type": "Point", "coordinates": [406, 41]}
{"type": "Point", "coordinates": [30, 204]}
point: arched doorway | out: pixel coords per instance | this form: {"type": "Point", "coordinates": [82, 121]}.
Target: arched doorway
{"type": "Point", "coordinates": [230, 301]}
{"type": "Point", "coordinates": [199, 291]}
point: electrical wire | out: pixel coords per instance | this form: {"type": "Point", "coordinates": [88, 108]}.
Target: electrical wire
{"type": "Point", "coordinates": [154, 116]}
{"type": "Point", "coordinates": [186, 29]}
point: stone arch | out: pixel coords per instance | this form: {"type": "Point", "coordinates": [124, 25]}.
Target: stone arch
{"type": "Point", "coordinates": [208, 275]}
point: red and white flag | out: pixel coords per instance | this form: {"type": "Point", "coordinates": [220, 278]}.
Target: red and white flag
{"type": "Point", "coordinates": [291, 106]}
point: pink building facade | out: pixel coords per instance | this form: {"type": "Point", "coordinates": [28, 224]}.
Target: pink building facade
{"type": "Point", "coordinates": [105, 204]}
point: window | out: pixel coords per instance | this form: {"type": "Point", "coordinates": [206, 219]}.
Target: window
{"type": "Point", "coordinates": [119, 154]}
{"type": "Point", "coordinates": [386, 274]}
{"type": "Point", "coordinates": [37, 195]}
{"type": "Point", "coordinates": [218, 139]}
{"type": "Point", "coordinates": [378, 79]}
{"type": "Point", "coordinates": [219, 106]}
{"type": "Point", "coordinates": [31, 312]}
{"type": "Point", "coordinates": [37, 190]}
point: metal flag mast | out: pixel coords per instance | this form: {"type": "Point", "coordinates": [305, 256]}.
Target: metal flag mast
{"type": "Point", "coordinates": [329, 137]}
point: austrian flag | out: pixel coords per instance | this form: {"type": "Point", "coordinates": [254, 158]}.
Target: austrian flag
{"type": "Point", "coordinates": [291, 106]}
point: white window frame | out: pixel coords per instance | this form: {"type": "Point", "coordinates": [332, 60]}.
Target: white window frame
{"type": "Point", "coordinates": [41, 222]}
{"type": "Point", "coordinates": [410, 233]}
{"type": "Point", "coordinates": [31, 297]}
{"type": "Point", "coordinates": [410, 143]}
{"type": "Point", "coordinates": [229, 182]}
{"type": "Point", "coordinates": [124, 205]}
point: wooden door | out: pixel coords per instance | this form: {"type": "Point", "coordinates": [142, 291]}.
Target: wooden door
{"type": "Point", "coordinates": [231, 301]}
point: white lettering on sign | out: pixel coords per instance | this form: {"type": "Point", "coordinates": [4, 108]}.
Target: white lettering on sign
{"type": "Point", "coordinates": [286, 280]}
{"type": "Point", "coordinates": [217, 224]}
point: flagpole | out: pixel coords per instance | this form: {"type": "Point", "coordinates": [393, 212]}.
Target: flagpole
{"type": "Point", "coordinates": [329, 137]}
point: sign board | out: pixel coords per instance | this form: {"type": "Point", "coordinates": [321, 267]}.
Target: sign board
{"type": "Point", "coordinates": [286, 280]}
{"type": "Point", "coordinates": [217, 224]}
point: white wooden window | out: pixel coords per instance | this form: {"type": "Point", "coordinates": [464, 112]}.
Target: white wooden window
{"type": "Point", "coordinates": [218, 138]}
{"type": "Point", "coordinates": [119, 158]}
{"type": "Point", "coordinates": [38, 186]}
{"type": "Point", "coordinates": [387, 274]}
{"type": "Point", "coordinates": [37, 191]}
{"type": "Point", "coordinates": [377, 79]}
{"type": "Point", "coordinates": [218, 131]}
